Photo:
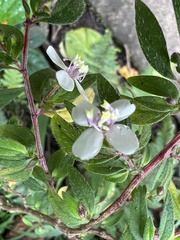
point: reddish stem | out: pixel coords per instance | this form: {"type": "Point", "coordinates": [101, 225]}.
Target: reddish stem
{"type": "Point", "coordinates": [33, 111]}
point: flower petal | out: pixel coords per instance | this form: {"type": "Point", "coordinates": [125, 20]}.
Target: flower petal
{"type": "Point", "coordinates": [81, 90]}
{"type": "Point", "coordinates": [55, 58]}
{"type": "Point", "coordinates": [79, 112]}
{"type": "Point", "coordinates": [64, 80]}
{"type": "Point", "coordinates": [123, 139]}
{"type": "Point", "coordinates": [88, 144]}
{"type": "Point", "coordinates": [124, 108]}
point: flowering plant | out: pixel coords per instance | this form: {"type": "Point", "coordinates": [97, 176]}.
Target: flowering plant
{"type": "Point", "coordinates": [112, 169]}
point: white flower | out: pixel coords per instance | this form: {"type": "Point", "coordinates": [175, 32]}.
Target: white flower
{"type": "Point", "coordinates": [102, 124]}
{"type": "Point", "coordinates": [75, 73]}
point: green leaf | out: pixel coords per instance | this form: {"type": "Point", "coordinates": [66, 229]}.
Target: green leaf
{"type": "Point", "coordinates": [149, 230]}
{"type": "Point", "coordinates": [127, 235]}
{"type": "Point", "coordinates": [175, 58]}
{"type": "Point", "coordinates": [144, 116]}
{"type": "Point", "coordinates": [11, 39]}
{"type": "Point", "coordinates": [167, 219]}
{"type": "Point", "coordinates": [106, 91]}
{"type": "Point", "coordinates": [82, 190]}
{"type": "Point", "coordinates": [152, 40]}
{"type": "Point", "coordinates": [111, 166]}
{"type": "Point", "coordinates": [39, 174]}
{"type": "Point", "coordinates": [12, 78]}
{"type": "Point", "coordinates": [36, 61]}
{"type": "Point", "coordinates": [33, 185]}
{"type": "Point", "coordinates": [66, 209]}
{"type": "Point", "coordinates": [64, 133]}
{"type": "Point", "coordinates": [66, 12]}
{"type": "Point", "coordinates": [37, 36]}
{"type": "Point", "coordinates": [146, 156]}
{"type": "Point", "coordinates": [119, 177]}
{"type": "Point", "coordinates": [18, 174]}
{"type": "Point", "coordinates": [144, 135]}
{"type": "Point", "coordinates": [7, 95]}
{"type": "Point", "coordinates": [113, 219]}
{"type": "Point", "coordinates": [12, 161]}
{"type": "Point", "coordinates": [42, 83]}
{"type": "Point", "coordinates": [138, 213]}
{"type": "Point", "coordinates": [154, 103]}
{"type": "Point", "coordinates": [58, 164]}
{"type": "Point", "coordinates": [176, 5]}
{"type": "Point", "coordinates": [155, 85]}
{"type": "Point", "coordinates": [12, 12]}
{"type": "Point", "coordinates": [175, 199]}
{"type": "Point", "coordinates": [5, 61]}
{"type": "Point", "coordinates": [20, 134]}
{"type": "Point", "coordinates": [9, 147]}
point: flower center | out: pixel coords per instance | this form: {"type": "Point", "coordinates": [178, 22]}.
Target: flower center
{"type": "Point", "coordinates": [77, 69]}
{"type": "Point", "coordinates": [104, 120]}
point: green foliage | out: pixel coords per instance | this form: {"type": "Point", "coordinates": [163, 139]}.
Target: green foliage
{"type": "Point", "coordinates": [12, 41]}
{"type": "Point", "coordinates": [11, 79]}
{"type": "Point", "coordinates": [155, 85]}
{"type": "Point", "coordinates": [7, 95]}
{"type": "Point", "coordinates": [95, 49]}
{"type": "Point", "coordinates": [82, 190]}
{"type": "Point", "coordinates": [152, 40]}
{"type": "Point", "coordinates": [12, 12]}
{"type": "Point", "coordinates": [167, 220]}
{"type": "Point", "coordinates": [65, 12]}
{"type": "Point", "coordinates": [138, 213]}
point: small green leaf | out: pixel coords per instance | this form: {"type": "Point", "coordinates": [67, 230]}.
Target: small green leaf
{"type": "Point", "coordinates": [176, 5]}
{"type": "Point", "coordinates": [42, 82]}
{"type": "Point", "coordinates": [113, 219]}
{"type": "Point", "coordinates": [82, 190]}
{"type": "Point", "coordinates": [146, 156]}
{"type": "Point", "coordinates": [106, 90]}
{"type": "Point", "coordinates": [167, 219]}
{"type": "Point", "coordinates": [64, 133]}
{"type": "Point", "coordinates": [119, 177]}
{"type": "Point", "coordinates": [39, 174]}
{"type": "Point", "coordinates": [176, 199]}
{"type": "Point", "coordinates": [5, 61]}
{"type": "Point", "coordinates": [149, 230]}
{"type": "Point", "coordinates": [66, 209]}
{"type": "Point", "coordinates": [58, 164]}
{"type": "Point", "coordinates": [7, 95]}
{"type": "Point", "coordinates": [12, 40]}
{"type": "Point", "coordinates": [155, 85]}
{"type": "Point", "coordinates": [138, 213]}
{"type": "Point", "coordinates": [20, 134]}
{"type": "Point", "coordinates": [175, 58]}
{"type": "Point", "coordinates": [127, 235]}
{"type": "Point", "coordinates": [152, 40]}
{"type": "Point", "coordinates": [154, 103]}
{"type": "Point", "coordinates": [66, 12]}
{"type": "Point", "coordinates": [144, 135]}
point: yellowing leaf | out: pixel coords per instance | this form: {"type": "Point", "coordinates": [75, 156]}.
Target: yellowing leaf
{"type": "Point", "coordinates": [126, 73]}
{"type": "Point", "coordinates": [61, 190]}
